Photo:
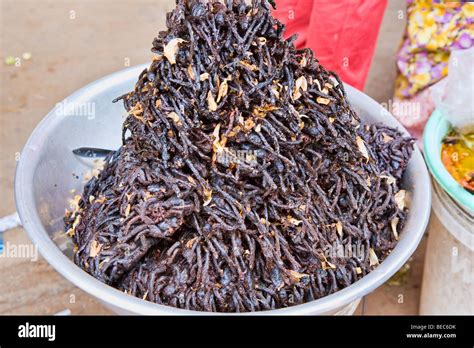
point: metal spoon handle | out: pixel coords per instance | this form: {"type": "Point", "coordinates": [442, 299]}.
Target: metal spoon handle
{"type": "Point", "coordinates": [91, 152]}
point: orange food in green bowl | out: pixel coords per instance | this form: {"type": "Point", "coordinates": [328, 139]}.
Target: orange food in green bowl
{"type": "Point", "coordinates": [449, 161]}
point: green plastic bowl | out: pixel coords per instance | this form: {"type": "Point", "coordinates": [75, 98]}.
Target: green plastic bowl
{"type": "Point", "coordinates": [435, 130]}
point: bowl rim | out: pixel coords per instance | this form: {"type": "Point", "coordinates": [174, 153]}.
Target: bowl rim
{"type": "Point", "coordinates": [68, 269]}
{"type": "Point", "coordinates": [432, 149]}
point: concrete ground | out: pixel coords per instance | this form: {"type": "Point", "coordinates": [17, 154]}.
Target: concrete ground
{"type": "Point", "coordinates": [75, 42]}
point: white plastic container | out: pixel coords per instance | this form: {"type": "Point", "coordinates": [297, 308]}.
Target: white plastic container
{"type": "Point", "coordinates": [448, 279]}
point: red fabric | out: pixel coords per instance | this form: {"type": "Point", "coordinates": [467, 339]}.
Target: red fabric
{"type": "Point", "coordinates": [342, 34]}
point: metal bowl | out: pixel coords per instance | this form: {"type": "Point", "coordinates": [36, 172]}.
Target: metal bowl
{"type": "Point", "coordinates": [48, 171]}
